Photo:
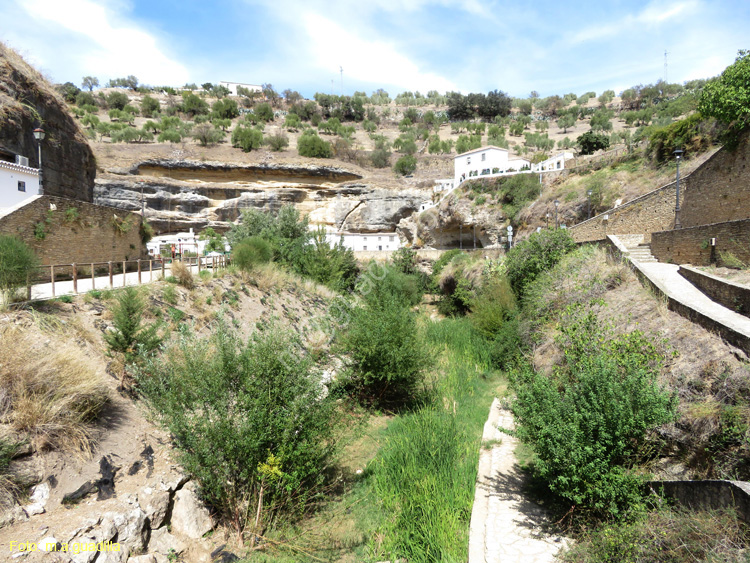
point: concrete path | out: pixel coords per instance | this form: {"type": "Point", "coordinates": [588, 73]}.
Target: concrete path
{"type": "Point", "coordinates": [86, 284]}
{"type": "Point", "coordinates": [670, 282]}
{"type": "Point", "coordinates": [506, 527]}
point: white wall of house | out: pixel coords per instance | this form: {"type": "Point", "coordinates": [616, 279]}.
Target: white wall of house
{"type": "Point", "coordinates": [556, 162]}
{"type": "Point", "coordinates": [474, 163]}
{"type": "Point", "coordinates": [366, 241]}
{"type": "Point", "coordinates": [232, 86]}
{"type": "Point", "coordinates": [442, 185]}
{"type": "Point", "coordinates": [17, 183]}
{"type": "Point", "coordinates": [183, 242]}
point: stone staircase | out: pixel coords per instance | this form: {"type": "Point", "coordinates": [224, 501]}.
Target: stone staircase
{"type": "Point", "coordinates": [637, 249]}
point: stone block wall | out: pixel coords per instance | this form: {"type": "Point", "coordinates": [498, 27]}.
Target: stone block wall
{"type": "Point", "coordinates": [732, 295]}
{"type": "Point", "coordinates": [66, 231]}
{"type": "Point", "coordinates": [651, 212]}
{"type": "Point", "coordinates": [719, 190]}
{"type": "Point", "coordinates": [693, 245]}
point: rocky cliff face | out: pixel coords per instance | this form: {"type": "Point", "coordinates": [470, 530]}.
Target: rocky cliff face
{"type": "Point", "coordinates": [28, 101]}
{"type": "Point", "coordinates": [177, 195]}
{"type": "Point", "coordinates": [455, 223]}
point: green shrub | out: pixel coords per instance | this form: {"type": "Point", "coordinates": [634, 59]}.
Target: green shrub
{"type": "Point", "coordinates": [530, 257]}
{"type": "Point", "coordinates": [251, 252]}
{"type": "Point", "coordinates": [386, 350]}
{"type": "Point", "coordinates": [277, 142]}
{"type": "Point", "coordinates": [130, 337]}
{"type": "Point", "coordinates": [588, 423]}
{"type": "Point", "coordinates": [405, 165]}
{"type": "Point", "coordinates": [247, 138]}
{"type": "Point", "coordinates": [17, 263]}
{"type": "Point", "coordinates": [334, 266]}
{"type": "Point", "coordinates": [250, 421]}
{"type": "Point", "coordinates": [311, 145]}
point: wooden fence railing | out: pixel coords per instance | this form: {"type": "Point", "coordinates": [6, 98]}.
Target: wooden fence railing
{"type": "Point", "coordinates": [104, 273]}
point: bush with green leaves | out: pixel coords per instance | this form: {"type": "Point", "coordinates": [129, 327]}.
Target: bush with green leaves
{"type": "Point", "coordinates": [264, 112]}
{"type": "Point", "coordinates": [225, 109]}
{"type": "Point", "coordinates": [590, 142]}
{"type": "Point", "coordinates": [149, 106]}
{"type": "Point", "coordinates": [588, 422]}
{"type": "Point", "coordinates": [530, 257]}
{"type": "Point", "coordinates": [207, 135]}
{"type": "Point", "coordinates": [277, 142]}
{"type": "Point", "coordinates": [386, 350]}
{"type": "Point", "coordinates": [130, 336]}
{"type": "Point", "coordinates": [331, 265]}
{"type": "Point", "coordinates": [405, 165]}
{"type": "Point", "coordinates": [728, 97]}
{"type": "Point", "coordinates": [117, 100]}
{"type": "Point", "coordinates": [17, 264]}
{"type": "Point", "coordinates": [251, 252]}
{"type": "Point", "coordinates": [311, 145]}
{"type": "Point", "coordinates": [251, 422]}
{"type": "Point", "coordinates": [247, 138]}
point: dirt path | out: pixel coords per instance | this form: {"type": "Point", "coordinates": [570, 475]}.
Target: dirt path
{"type": "Point", "coordinates": [506, 526]}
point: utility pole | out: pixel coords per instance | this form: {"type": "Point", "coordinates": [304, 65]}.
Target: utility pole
{"type": "Point", "coordinates": [341, 69]}
{"type": "Point", "coordinates": [665, 66]}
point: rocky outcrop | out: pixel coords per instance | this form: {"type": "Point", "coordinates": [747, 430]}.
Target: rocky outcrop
{"type": "Point", "coordinates": [214, 195]}
{"type": "Point", "coordinates": [28, 101]}
{"type": "Point", "coordinates": [454, 223]}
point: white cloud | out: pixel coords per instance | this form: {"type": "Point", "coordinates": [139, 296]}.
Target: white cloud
{"type": "Point", "coordinates": [373, 61]}
{"type": "Point", "coordinates": [653, 14]}
{"type": "Point", "coordinates": [108, 45]}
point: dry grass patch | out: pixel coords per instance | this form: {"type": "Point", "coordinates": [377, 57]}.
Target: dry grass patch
{"type": "Point", "coordinates": [183, 274]}
{"type": "Point", "coordinates": [54, 397]}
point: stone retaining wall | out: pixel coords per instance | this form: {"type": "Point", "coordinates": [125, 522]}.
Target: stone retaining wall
{"type": "Point", "coordinates": [732, 295]}
{"type": "Point", "coordinates": [66, 231]}
{"type": "Point", "coordinates": [708, 495]}
{"type": "Point", "coordinates": [693, 245]}
{"type": "Point", "coordinates": [651, 212]}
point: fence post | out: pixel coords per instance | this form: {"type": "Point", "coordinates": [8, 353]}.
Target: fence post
{"type": "Point", "coordinates": [163, 267]}
{"type": "Point", "coordinates": [93, 277]}
{"type": "Point", "coordinates": [124, 272]}
{"type": "Point", "coordinates": [52, 277]}
{"type": "Point", "coordinates": [199, 265]}
{"type": "Point", "coordinates": [28, 287]}
{"type": "Point", "coordinates": [75, 278]}
{"type": "Point", "coordinates": [150, 269]}
{"type": "Point", "coordinates": [139, 271]}
{"type": "Point", "coordinates": [111, 280]}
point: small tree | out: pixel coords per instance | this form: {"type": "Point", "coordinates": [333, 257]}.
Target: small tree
{"type": "Point", "coordinates": [90, 82]}
{"type": "Point", "coordinates": [591, 142]}
{"type": "Point", "coordinates": [149, 106]}
{"type": "Point", "coordinates": [311, 145]}
{"type": "Point", "coordinates": [130, 337]}
{"type": "Point", "coordinates": [728, 97]}
{"type": "Point", "coordinates": [277, 142]}
{"type": "Point", "coordinates": [206, 134]}
{"type": "Point", "coordinates": [247, 138]}
{"type": "Point", "coordinates": [405, 165]}
{"type": "Point", "coordinates": [17, 262]}
{"type": "Point", "coordinates": [117, 100]}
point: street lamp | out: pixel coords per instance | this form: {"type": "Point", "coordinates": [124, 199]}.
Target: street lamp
{"type": "Point", "coordinates": [588, 193]}
{"type": "Point", "coordinates": [677, 225]}
{"type": "Point", "coordinates": [557, 223]}
{"type": "Point", "coordinates": [39, 136]}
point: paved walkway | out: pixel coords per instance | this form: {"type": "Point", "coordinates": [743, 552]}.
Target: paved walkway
{"type": "Point", "coordinates": [85, 284]}
{"type": "Point", "coordinates": [669, 281]}
{"type": "Point", "coordinates": [506, 527]}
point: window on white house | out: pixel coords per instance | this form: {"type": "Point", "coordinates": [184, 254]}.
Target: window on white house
{"type": "Point", "coordinates": [468, 160]}
{"type": "Point", "coordinates": [21, 186]}
{"type": "Point", "coordinates": [380, 247]}
{"type": "Point", "coordinates": [390, 239]}
{"type": "Point", "coordinates": [484, 156]}
{"type": "Point", "coordinates": [364, 247]}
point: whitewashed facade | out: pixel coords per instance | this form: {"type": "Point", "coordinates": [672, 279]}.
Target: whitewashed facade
{"type": "Point", "coordinates": [553, 163]}
{"type": "Point", "coordinates": [361, 242]}
{"type": "Point", "coordinates": [485, 161]}
{"type": "Point", "coordinates": [18, 182]}
{"type": "Point", "coordinates": [232, 87]}
{"type": "Point", "coordinates": [183, 242]}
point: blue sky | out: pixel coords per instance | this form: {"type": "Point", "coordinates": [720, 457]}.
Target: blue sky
{"type": "Point", "coordinates": [552, 47]}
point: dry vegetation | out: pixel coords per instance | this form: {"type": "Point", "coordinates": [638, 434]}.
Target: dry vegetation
{"type": "Point", "coordinates": [710, 439]}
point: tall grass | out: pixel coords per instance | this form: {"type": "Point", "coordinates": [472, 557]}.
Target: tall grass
{"type": "Point", "coordinates": [53, 397]}
{"type": "Point", "coordinates": [425, 473]}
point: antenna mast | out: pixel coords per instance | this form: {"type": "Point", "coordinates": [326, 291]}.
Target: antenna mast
{"type": "Point", "coordinates": [665, 66]}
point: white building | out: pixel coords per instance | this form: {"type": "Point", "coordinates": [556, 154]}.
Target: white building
{"type": "Point", "coordinates": [232, 87]}
{"type": "Point", "coordinates": [556, 162]}
{"type": "Point", "coordinates": [360, 242]}
{"type": "Point", "coordinates": [182, 242]}
{"type": "Point", "coordinates": [18, 181]}
{"type": "Point", "coordinates": [485, 161]}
